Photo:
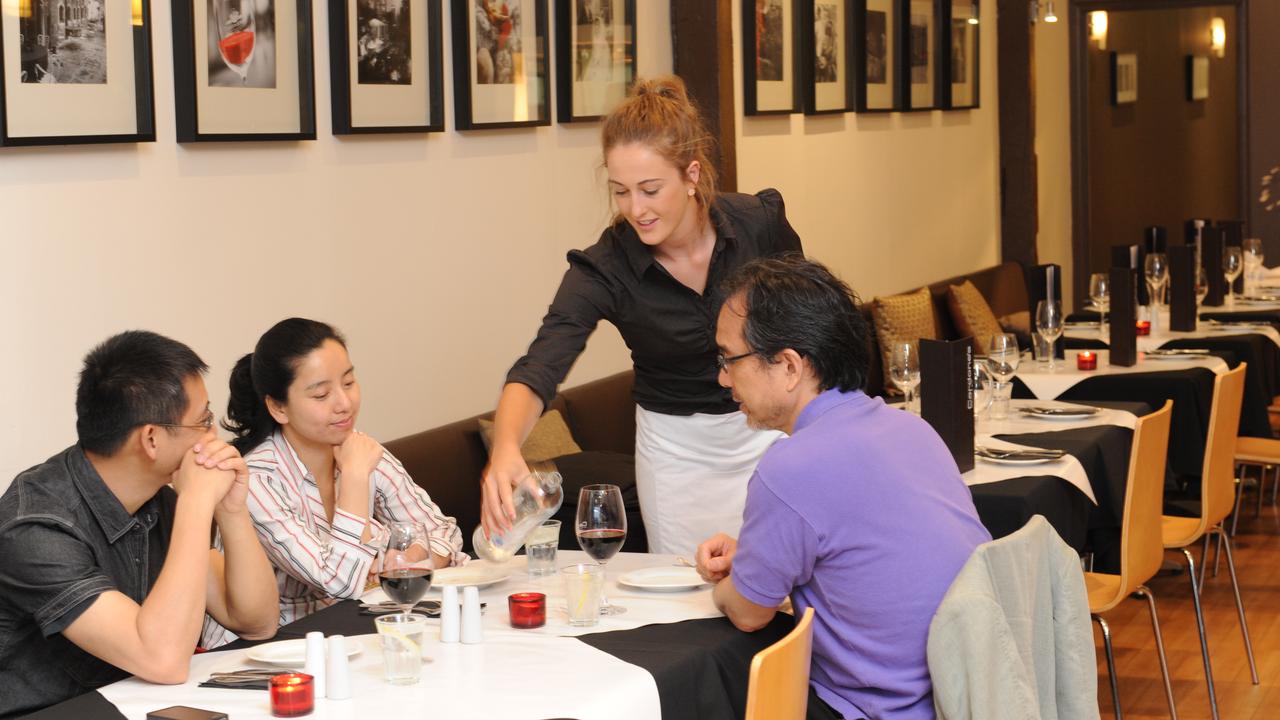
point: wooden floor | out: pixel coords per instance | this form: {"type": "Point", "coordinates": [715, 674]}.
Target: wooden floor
{"type": "Point", "coordinates": [1257, 554]}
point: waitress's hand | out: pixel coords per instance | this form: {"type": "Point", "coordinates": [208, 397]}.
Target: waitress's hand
{"type": "Point", "coordinates": [506, 468]}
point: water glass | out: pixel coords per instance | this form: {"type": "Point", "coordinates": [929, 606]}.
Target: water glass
{"type": "Point", "coordinates": [1049, 323]}
{"type": "Point", "coordinates": [1003, 357]}
{"type": "Point", "coordinates": [1253, 256]}
{"type": "Point", "coordinates": [1156, 270]}
{"type": "Point", "coordinates": [401, 637]}
{"type": "Point", "coordinates": [583, 588]}
{"type": "Point", "coordinates": [904, 370]}
{"type": "Point", "coordinates": [540, 547]}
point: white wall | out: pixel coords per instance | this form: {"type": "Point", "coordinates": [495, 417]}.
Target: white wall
{"type": "Point", "coordinates": [436, 255]}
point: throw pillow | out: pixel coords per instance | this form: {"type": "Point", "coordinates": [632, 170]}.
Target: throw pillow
{"type": "Point", "coordinates": [549, 438]}
{"type": "Point", "coordinates": [972, 315]}
{"type": "Point", "coordinates": [902, 318]}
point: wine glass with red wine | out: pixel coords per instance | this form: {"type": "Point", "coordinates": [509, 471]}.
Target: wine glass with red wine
{"type": "Point", "coordinates": [405, 568]}
{"type": "Point", "coordinates": [601, 529]}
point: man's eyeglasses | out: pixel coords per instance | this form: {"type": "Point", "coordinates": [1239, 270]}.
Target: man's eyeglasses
{"type": "Point", "coordinates": [723, 362]}
{"type": "Point", "coordinates": [206, 424]}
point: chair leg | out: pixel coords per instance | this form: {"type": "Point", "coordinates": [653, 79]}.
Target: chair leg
{"type": "Point", "coordinates": [1217, 559]}
{"type": "Point", "coordinates": [1262, 483]}
{"type": "Point", "coordinates": [1204, 562]}
{"type": "Point", "coordinates": [1204, 641]}
{"type": "Point", "coordinates": [1235, 511]}
{"type": "Point", "coordinates": [1164, 665]}
{"type": "Point", "coordinates": [1244, 625]}
{"type": "Point", "coordinates": [1111, 662]}
{"type": "Point", "coordinates": [1275, 484]}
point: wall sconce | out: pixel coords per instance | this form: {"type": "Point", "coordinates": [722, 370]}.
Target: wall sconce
{"type": "Point", "coordinates": [137, 13]}
{"type": "Point", "coordinates": [1049, 15]}
{"type": "Point", "coordinates": [1098, 28]}
{"type": "Point", "coordinates": [1218, 37]}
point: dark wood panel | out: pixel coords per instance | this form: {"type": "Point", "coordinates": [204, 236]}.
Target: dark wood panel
{"type": "Point", "coordinates": [702, 55]}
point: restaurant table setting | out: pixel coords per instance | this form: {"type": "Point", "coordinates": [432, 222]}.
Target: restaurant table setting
{"type": "Point", "coordinates": [1048, 383]}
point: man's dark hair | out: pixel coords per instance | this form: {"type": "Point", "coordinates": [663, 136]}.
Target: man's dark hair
{"type": "Point", "coordinates": [796, 303]}
{"type": "Point", "coordinates": [131, 379]}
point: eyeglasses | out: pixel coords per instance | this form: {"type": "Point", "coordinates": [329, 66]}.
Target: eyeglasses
{"type": "Point", "coordinates": [723, 362]}
{"type": "Point", "coordinates": [206, 424]}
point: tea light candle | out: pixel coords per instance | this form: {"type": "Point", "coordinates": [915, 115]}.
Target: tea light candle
{"type": "Point", "coordinates": [1143, 327]}
{"type": "Point", "coordinates": [292, 694]}
{"type": "Point", "coordinates": [1086, 360]}
{"type": "Point", "coordinates": [528, 609]}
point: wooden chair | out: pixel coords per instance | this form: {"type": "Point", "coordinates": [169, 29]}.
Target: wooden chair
{"type": "Point", "coordinates": [779, 684]}
{"type": "Point", "coordinates": [1264, 453]}
{"type": "Point", "coordinates": [1141, 544]}
{"type": "Point", "coordinates": [1217, 497]}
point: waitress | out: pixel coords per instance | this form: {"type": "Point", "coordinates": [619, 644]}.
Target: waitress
{"type": "Point", "coordinates": [654, 274]}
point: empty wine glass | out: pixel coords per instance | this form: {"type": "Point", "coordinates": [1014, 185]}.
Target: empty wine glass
{"type": "Point", "coordinates": [1100, 293]}
{"type": "Point", "coordinates": [405, 569]}
{"type": "Point", "coordinates": [1049, 324]}
{"type": "Point", "coordinates": [1156, 270]}
{"type": "Point", "coordinates": [904, 370]}
{"type": "Point", "coordinates": [1232, 266]}
{"type": "Point", "coordinates": [601, 527]}
{"type": "Point", "coordinates": [1252, 251]}
{"type": "Point", "coordinates": [236, 36]}
{"type": "Point", "coordinates": [1003, 357]}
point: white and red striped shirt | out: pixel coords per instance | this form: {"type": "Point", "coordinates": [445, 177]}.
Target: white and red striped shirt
{"type": "Point", "coordinates": [318, 562]}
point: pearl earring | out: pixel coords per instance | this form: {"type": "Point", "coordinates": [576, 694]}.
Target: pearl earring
{"type": "Point", "coordinates": [691, 191]}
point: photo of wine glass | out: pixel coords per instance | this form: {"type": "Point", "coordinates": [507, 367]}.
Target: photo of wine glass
{"type": "Point", "coordinates": [406, 567]}
{"type": "Point", "coordinates": [601, 527]}
{"type": "Point", "coordinates": [241, 43]}
{"type": "Point", "coordinates": [236, 35]}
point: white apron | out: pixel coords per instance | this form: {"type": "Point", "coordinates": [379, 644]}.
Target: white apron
{"type": "Point", "coordinates": [691, 475]}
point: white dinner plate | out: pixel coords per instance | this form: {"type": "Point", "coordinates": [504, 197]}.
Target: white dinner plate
{"type": "Point", "coordinates": [1060, 413]}
{"type": "Point", "coordinates": [662, 579]}
{"type": "Point", "coordinates": [290, 652]}
{"type": "Point", "coordinates": [477, 572]}
{"type": "Point", "coordinates": [1017, 461]}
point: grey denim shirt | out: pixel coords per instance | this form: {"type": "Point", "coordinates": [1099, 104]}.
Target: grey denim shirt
{"type": "Point", "coordinates": [65, 539]}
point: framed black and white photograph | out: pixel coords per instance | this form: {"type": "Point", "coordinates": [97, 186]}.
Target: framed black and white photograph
{"type": "Point", "coordinates": [75, 72]}
{"type": "Point", "coordinates": [877, 38]}
{"type": "Point", "coordinates": [960, 59]}
{"type": "Point", "coordinates": [595, 56]}
{"type": "Point", "coordinates": [920, 72]}
{"type": "Point", "coordinates": [827, 51]}
{"type": "Point", "coordinates": [1197, 77]}
{"type": "Point", "coordinates": [243, 70]}
{"type": "Point", "coordinates": [771, 83]}
{"type": "Point", "coordinates": [386, 66]}
{"type": "Point", "coordinates": [500, 63]}
{"type": "Point", "coordinates": [1124, 78]}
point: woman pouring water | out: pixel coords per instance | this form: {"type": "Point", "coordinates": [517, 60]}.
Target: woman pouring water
{"type": "Point", "coordinates": [654, 273]}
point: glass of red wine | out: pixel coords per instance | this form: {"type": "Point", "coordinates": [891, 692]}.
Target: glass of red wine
{"type": "Point", "coordinates": [602, 528]}
{"type": "Point", "coordinates": [405, 569]}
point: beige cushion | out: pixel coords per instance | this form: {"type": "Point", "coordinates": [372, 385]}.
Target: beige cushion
{"type": "Point", "coordinates": [902, 318]}
{"type": "Point", "coordinates": [549, 438]}
{"type": "Point", "coordinates": [972, 315]}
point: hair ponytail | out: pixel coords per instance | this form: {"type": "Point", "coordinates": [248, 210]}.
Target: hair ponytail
{"type": "Point", "coordinates": [247, 417]}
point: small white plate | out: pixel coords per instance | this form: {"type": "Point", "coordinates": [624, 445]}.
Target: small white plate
{"type": "Point", "coordinates": [477, 572]}
{"type": "Point", "coordinates": [1018, 461]}
{"type": "Point", "coordinates": [290, 652]}
{"type": "Point", "coordinates": [662, 579]}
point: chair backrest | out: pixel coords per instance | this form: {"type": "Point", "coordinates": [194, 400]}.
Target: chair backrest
{"type": "Point", "coordinates": [779, 688]}
{"type": "Point", "coordinates": [1217, 481]}
{"type": "Point", "coordinates": [1141, 545]}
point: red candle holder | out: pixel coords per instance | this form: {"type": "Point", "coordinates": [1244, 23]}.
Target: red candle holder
{"type": "Point", "coordinates": [292, 694]}
{"type": "Point", "coordinates": [1142, 327]}
{"type": "Point", "coordinates": [1086, 360]}
{"type": "Point", "coordinates": [528, 610]}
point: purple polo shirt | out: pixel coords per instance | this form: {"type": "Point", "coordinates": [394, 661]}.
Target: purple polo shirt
{"type": "Point", "coordinates": [861, 514]}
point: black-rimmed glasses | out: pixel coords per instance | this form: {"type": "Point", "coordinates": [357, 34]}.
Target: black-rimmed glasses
{"type": "Point", "coordinates": [723, 362]}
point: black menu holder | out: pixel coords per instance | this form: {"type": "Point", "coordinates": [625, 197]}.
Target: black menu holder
{"type": "Point", "coordinates": [1133, 257]}
{"type": "Point", "coordinates": [1211, 261]}
{"type": "Point", "coordinates": [1155, 239]}
{"type": "Point", "coordinates": [1037, 290]}
{"type": "Point", "coordinates": [946, 394]}
{"type": "Point", "coordinates": [1124, 317]}
{"type": "Point", "coordinates": [1182, 288]}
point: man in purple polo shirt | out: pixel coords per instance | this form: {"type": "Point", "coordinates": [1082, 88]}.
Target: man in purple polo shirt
{"type": "Point", "coordinates": [860, 514]}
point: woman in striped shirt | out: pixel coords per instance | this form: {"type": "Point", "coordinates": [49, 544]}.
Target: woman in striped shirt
{"type": "Point", "coordinates": [320, 490]}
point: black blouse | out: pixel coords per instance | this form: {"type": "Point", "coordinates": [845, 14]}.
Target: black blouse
{"type": "Point", "coordinates": [669, 328]}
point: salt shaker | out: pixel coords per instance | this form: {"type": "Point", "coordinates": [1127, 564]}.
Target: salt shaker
{"type": "Point", "coordinates": [338, 671]}
{"type": "Point", "coordinates": [449, 621]}
{"type": "Point", "coordinates": [471, 630]}
{"type": "Point", "coordinates": [315, 666]}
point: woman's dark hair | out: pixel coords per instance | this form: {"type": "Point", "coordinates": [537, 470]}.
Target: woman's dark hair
{"type": "Point", "coordinates": [796, 303]}
{"type": "Point", "coordinates": [267, 372]}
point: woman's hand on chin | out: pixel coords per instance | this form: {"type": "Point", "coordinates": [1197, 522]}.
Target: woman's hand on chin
{"type": "Point", "coordinates": [358, 455]}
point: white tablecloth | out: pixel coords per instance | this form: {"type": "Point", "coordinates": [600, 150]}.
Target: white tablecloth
{"type": "Point", "coordinates": [515, 674]}
{"type": "Point", "coordinates": [1048, 384]}
{"type": "Point", "coordinates": [1204, 329]}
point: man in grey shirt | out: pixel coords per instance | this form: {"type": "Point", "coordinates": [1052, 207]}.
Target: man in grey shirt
{"type": "Point", "coordinates": [105, 570]}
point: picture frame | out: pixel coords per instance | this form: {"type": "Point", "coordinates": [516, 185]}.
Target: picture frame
{"type": "Point", "coordinates": [243, 70]}
{"type": "Point", "coordinates": [921, 45]}
{"type": "Point", "coordinates": [960, 62]}
{"type": "Point", "coordinates": [1124, 78]}
{"type": "Point", "coordinates": [80, 77]}
{"type": "Point", "coordinates": [596, 56]}
{"type": "Point", "coordinates": [827, 48]}
{"type": "Point", "coordinates": [771, 84]}
{"type": "Point", "coordinates": [500, 71]}
{"type": "Point", "coordinates": [877, 31]}
{"type": "Point", "coordinates": [386, 63]}
{"type": "Point", "coordinates": [1197, 78]}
